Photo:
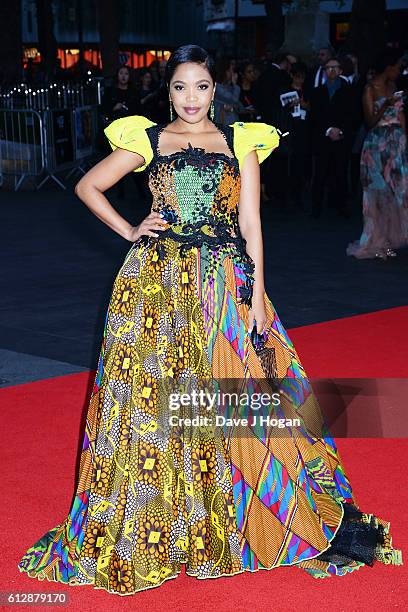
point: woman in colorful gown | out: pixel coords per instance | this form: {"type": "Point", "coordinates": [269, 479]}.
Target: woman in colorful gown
{"type": "Point", "coordinates": [189, 308]}
{"type": "Point", "coordinates": [384, 166]}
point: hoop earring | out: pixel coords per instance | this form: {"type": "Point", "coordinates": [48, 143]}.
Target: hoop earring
{"type": "Point", "coordinates": [212, 110]}
{"type": "Point", "coordinates": [171, 110]}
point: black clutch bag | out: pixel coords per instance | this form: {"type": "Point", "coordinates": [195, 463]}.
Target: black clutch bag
{"type": "Point", "coordinates": [266, 355]}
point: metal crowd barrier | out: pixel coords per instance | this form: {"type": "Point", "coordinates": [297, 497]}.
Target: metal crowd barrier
{"type": "Point", "coordinates": [21, 144]}
{"type": "Point", "coordinates": [41, 144]}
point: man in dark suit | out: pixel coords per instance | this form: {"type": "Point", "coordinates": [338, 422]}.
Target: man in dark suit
{"type": "Point", "coordinates": [332, 122]}
{"type": "Point", "coordinates": [272, 82]}
{"type": "Point", "coordinates": [318, 75]}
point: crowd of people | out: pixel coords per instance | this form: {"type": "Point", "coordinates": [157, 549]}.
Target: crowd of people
{"type": "Point", "coordinates": [344, 132]}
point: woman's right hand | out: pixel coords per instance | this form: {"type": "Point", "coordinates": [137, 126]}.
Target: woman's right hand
{"type": "Point", "coordinates": [147, 227]}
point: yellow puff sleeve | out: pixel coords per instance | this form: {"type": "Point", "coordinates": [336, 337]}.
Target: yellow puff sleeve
{"type": "Point", "coordinates": [130, 133]}
{"type": "Point", "coordinates": [260, 137]}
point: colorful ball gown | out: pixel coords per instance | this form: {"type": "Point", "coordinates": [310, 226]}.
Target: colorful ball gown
{"type": "Point", "coordinates": [150, 496]}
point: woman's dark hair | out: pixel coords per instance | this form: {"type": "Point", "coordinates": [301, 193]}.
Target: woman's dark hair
{"type": "Point", "coordinates": [189, 53]}
{"type": "Point", "coordinates": [389, 58]}
{"type": "Point", "coordinates": [145, 71]}
{"type": "Point", "coordinates": [119, 68]}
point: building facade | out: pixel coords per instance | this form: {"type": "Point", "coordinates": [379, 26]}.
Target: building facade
{"type": "Point", "coordinates": [245, 21]}
{"type": "Point", "coordinates": [149, 30]}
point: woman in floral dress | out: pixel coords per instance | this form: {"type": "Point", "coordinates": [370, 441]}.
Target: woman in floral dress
{"type": "Point", "coordinates": [189, 310]}
{"type": "Point", "coordinates": [384, 166]}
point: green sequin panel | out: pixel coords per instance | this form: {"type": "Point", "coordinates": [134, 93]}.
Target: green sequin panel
{"type": "Point", "coordinates": [195, 188]}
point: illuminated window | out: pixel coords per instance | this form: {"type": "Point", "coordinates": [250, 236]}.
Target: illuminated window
{"type": "Point", "coordinates": [342, 30]}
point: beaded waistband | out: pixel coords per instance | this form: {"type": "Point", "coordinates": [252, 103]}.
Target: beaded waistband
{"type": "Point", "coordinates": [217, 235]}
{"type": "Point", "coordinates": [195, 234]}
{"type": "Point", "coordinates": [214, 233]}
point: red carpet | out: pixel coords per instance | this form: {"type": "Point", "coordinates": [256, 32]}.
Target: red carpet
{"type": "Point", "coordinates": [369, 345]}
{"type": "Point", "coordinates": [42, 423]}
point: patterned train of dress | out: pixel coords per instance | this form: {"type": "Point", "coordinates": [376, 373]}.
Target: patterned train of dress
{"type": "Point", "coordinates": [384, 178]}
{"type": "Point", "coordinates": [153, 495]}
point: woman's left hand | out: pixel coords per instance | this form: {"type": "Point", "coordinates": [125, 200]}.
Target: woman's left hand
{"type": "Point", "coordinates": [257, 312]}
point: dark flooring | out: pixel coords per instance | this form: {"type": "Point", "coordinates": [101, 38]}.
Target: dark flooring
{"type": "Point", "coordinates": [59, 263]}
